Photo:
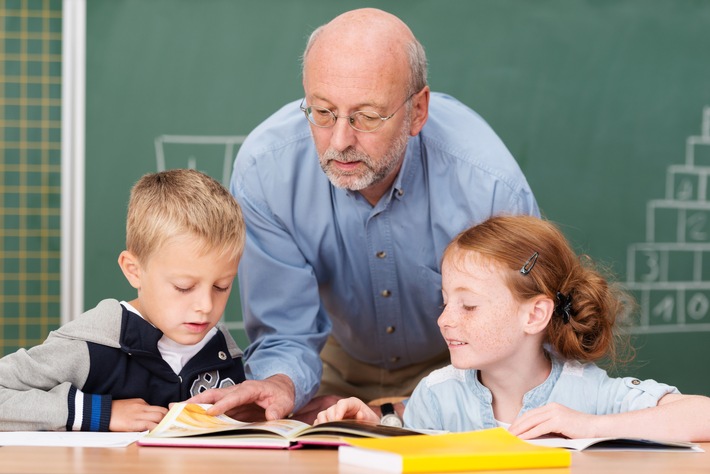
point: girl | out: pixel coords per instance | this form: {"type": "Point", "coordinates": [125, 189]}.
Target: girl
{"type": "Point", "coordinates": [525, 319]}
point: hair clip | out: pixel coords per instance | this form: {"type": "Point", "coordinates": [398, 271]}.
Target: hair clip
{"type": "Point", "coordinates": [563, 308]}
{"type": "Point", "coordinates": [529, 264]}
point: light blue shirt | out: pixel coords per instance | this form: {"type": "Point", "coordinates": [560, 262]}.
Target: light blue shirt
{"type": "Point", "coordinates": [321, 259]}
{"type": "Point", "coordinates": [455, 400]}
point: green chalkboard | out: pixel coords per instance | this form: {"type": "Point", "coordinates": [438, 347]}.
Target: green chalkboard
{"type": "Point", "coordinates": [602, 103]}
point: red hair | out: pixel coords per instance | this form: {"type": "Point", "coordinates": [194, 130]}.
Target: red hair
{"type": "Point", "coordinates": [596, 304]}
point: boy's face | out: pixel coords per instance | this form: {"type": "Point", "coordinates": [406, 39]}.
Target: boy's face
{"type": "Point", "coordinates": [183, 291]}
{"type": "Point", "coordinates": [482, 322]}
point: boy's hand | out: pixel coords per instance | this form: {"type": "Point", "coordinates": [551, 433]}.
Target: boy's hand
{"type": "Point", "coordinates": [134, 414]}
{"type": "Point", "coordinates": [348, 408]}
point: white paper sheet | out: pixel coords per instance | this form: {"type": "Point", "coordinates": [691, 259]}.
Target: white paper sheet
{"type": "Point", "coordinates": [68, 438]}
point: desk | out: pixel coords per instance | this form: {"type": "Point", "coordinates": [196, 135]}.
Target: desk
{"type": "Point", "coordinates": [149, 460]}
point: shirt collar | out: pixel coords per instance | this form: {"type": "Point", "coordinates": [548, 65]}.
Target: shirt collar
{"type": "Point", "coordinates": [411, 164]}
{"type": "Point", "coordinates": [405, 178]}
{"type": "Point", "coordinates": [539, 395]}
{"type": "Point", "coordinates": [534, 398]}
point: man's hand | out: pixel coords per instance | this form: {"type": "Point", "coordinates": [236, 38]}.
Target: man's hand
{"type": "Point", "coordinates": [554, 419]}
{"type": "Point", "coordinates": [134, 414]}
{"type": "Point", "coordinates": [252, 400]}
{"type": "Point", "coordinates": [348, 408]}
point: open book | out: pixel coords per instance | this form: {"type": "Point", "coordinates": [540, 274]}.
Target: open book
{"type": "Point", "coordinates": [188, 424]}
{"type": "Point", "coordinates": [616, 444]}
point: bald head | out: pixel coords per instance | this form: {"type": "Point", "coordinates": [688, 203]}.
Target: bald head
{"type": "Point", "coordinates": [372, 18]}
{"type": "Point", "coordinates": [373, 42]}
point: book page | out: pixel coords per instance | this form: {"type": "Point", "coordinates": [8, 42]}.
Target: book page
{"type": "Point", "coordinates": [188, 419]}
{"type": "Point", "coordinates": [360, 428]}
{"type": "Point", "coordinates": [615, 444]}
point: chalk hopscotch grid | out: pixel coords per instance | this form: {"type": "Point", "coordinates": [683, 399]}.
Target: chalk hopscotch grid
{"type": "Point", "coordinates": [670, 272]}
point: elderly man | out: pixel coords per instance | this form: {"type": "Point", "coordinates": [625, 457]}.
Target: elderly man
{"type": "Point", "coordinates": [350, 196]}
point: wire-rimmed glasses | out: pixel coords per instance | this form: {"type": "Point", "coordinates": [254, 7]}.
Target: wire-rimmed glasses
{"type": "Point", "coordinates": [362, 120]}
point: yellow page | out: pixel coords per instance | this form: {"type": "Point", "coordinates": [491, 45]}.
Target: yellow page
{"type": "Point", "coordinates": [186, 419]}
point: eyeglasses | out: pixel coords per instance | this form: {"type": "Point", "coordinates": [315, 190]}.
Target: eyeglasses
{"type": "Point", "coordinates": [362, 120]}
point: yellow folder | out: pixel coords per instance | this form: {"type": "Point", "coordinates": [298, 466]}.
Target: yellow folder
{"type": "Point", "coordinates": [488, 449]}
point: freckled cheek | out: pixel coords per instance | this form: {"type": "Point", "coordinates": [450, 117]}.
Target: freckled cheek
{"type": "Point", "coordinates": [488, 338]}
{"type": "Point", "coordinates": [489, 335]}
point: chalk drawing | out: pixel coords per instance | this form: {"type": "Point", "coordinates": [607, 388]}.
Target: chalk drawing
{"type": "Point", "coordinates": [213, 155]}
{"type": "Point", "coordinates": [669, 273]}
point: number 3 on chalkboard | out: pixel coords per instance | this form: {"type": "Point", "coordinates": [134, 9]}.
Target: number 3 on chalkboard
{"type": "Point", "coordinates": [654, 270]}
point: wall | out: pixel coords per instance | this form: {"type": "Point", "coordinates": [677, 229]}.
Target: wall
{"type": "Point", "coordinates": [30, 132]}
{"type": "Point", "coordinates": [601, 102]}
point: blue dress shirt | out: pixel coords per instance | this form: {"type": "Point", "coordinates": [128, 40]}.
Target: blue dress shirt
{"type": "Point", "coordinates": [455, 400]}
{"type": "Point", "coordinates": [320, 259]}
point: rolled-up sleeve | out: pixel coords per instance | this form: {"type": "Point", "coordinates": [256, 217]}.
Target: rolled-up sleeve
{"type": "Point", "coordinates": [589, 389]}
{"type": "Point", "coordinates": [634, 394]}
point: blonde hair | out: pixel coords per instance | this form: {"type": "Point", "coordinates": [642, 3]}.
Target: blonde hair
{"type": "Point", "coordinates": [597, 306]}
{"type": "Point", "coordinates": [182, 201]}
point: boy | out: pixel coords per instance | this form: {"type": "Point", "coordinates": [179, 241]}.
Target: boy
{"type": "Point", "coordinates": [119, 365]}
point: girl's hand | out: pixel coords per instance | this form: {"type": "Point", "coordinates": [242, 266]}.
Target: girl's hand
{"type": "Point", "coordinates": [134, 414]}
{"type": "Point", "coordinates": [554, 419]}
{"type": "Point", "coordinates": [347, 408]}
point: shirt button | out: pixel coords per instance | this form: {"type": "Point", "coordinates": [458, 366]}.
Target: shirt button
{"type": "Point", "coordinates": [222, 355]}
{"type": "Point", "coordinates": [390, 329]}
{"type": "Point", "coordinates": [636, 382]}
{"type": "Point", "coordinates": [386, 293]}
{"type": "Point", "coordinates": [400, 192]}
{"type": "Point", "coordinates": [394, 359]}
{"type": "Point", "coordinates": [381, 254]}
